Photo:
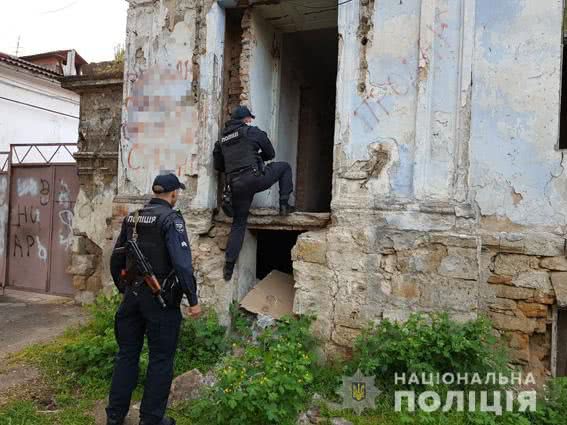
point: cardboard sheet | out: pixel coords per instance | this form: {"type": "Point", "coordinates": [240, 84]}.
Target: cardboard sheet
{"type": "Point", "coordinates": [272, 296]}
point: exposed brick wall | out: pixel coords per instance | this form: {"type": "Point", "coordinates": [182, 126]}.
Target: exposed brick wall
{"type": "Point", "coordinates": [522, 307]}
{"type": "Point", "coordinates": [247, 40]}
{"type": "Point", "coordinates": [233, 51]}
{"type": "Point", "coordinates": [388, 274]}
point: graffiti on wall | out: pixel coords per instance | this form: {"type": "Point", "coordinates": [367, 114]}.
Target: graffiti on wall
{"type": "Point", "coordinates": [32, 196]}
{"type": "Point", "coordinates": [161, 124]}
{"type": "Point", "coordinates": [40, 241]}
{"type": "Point", "coordinates": [65, 216]}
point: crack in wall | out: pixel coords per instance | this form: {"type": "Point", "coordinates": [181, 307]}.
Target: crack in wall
{"type": "Point", "coordinates": [198, 50]}
{"type": "Point", "coordinates": [547, 188]}
{"type": "Point", "coordinates": [245, 57]}
{"type": "Point", "coordinates": [365, 36]}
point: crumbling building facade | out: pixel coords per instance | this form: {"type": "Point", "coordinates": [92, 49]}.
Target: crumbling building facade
{"type": "Point", "coordinates": [424, 136]}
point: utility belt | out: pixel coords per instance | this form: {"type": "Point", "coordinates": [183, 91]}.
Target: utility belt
{"type": "Point", "coordinates": [231, 177]}
{"type": "Point", "coordinates": [240, 172]}
{"type": "Point", "coordinates": [171, 291]}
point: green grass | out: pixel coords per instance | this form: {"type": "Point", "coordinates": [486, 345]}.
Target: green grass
{"type": "Point", "coordinates": [71, 386]}
{"type": "Point", "coordinates": [76, 367]}
{"type": "Point", "coordinates": [72, 402]}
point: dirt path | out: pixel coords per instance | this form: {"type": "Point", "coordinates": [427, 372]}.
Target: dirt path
{"type": "Point", "coordinates": [27, 319]}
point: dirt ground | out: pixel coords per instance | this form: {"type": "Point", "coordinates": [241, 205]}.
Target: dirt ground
{"type": "Point", "coordinates": [26, 319]}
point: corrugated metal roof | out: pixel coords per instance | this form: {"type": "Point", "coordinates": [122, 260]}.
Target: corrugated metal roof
{"type": "Point", "coordinates": [20, 63]}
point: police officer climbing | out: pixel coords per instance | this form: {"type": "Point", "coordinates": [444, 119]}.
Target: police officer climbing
{"type": "Point", "coordinates": [151, 266]}
{"type": "Point", "coordinates": [240, 154]}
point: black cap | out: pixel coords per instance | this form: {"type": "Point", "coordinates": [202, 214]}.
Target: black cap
{"type": "Point", "coordinates": [166, 183]}
{"type": "Point", "coordinates": [241, 112]}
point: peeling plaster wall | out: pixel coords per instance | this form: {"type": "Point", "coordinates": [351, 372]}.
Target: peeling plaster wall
{"type": "Point", "coordinates": [100, 87]}
{"type": "Point", "coordinates": [160, 109]}
{"type": "Point", "coordinates": [516, 173]}
{"type": "Point", "coordinates": [404, 79]}
{"type": "Point", "coordinates": [411, 125]}
{"type": "Point", "coordinates": [171, 105]}
{"type": "Point", "coordinates": [376, 103]}
{"type": "Point", "coordinates": [446, 121]}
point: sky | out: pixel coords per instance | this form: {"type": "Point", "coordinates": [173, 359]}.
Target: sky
{"type": "Point", "coordinates": [92, 27]}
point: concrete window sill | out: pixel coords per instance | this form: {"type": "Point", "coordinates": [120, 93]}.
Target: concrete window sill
{"type": "Point", "coordinates": [268, 218]}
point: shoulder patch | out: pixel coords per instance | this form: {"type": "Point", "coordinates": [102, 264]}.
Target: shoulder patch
{"type": "Point", "coordinates": [180, 227]}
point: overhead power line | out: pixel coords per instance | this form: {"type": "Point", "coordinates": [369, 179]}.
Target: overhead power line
{"type": "Point", "coordinates": [38, 107]}
{"type": "Point", "coordinates": [60, 9]}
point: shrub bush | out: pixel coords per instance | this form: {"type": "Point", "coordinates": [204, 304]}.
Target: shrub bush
{"type": "Point", "coordinates": [91, 354]}
{"type": "Point", "coordinates": [268, 384]}
{"type": "Point", "coordinates": [427, 344]}
{"type": "Point", "coordinates": [201, 343]}
{"type": "Point", "coordinates": [552, 408]}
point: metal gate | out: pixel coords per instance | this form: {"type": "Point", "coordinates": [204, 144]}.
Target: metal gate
{"type": "Point", "coordinates": [43, 188]}
{"type": "Point", "coordinates": [4, 199]}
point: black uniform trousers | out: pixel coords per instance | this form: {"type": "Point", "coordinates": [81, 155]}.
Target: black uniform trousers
{"type": "Point", "coordinates": [140, 315]}
{"type": "Point", "coordinates": [244, 187]}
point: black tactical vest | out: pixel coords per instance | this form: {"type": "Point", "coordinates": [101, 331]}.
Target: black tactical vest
{"type": "Point", "coordinates": [150, 236]}
{"type": "Point", "coordinates": [237, 150]}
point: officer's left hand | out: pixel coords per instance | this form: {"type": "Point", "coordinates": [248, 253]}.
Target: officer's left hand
{"type": "Point", "coordinates": [194, 312]}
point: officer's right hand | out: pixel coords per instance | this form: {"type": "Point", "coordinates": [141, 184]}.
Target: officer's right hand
{"type": "Point", "coordinates": [194, 312]}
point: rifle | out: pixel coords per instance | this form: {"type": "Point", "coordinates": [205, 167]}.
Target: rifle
{"type": "Point", "coordinates": [143, 266]}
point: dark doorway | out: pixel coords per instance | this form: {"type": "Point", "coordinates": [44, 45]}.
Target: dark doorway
{"type": "Point", "coordinates": [274, 251]}
{"type": "Point", "coordinates": [311, 58]}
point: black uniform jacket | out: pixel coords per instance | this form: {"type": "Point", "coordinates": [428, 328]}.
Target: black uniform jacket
{"type": "Point", "coordinates": [177, 244]}
{"type": "Point", "coordinates": [253, 147]}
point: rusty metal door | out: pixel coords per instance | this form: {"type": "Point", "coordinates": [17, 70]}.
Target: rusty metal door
{"type": "Point", "coordinates": [40, 235]}
{"type": "Point", "coordinates": [4, 193]}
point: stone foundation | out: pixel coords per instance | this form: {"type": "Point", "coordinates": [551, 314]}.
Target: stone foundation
{"type": "Point", "coordinates": [371, 273]}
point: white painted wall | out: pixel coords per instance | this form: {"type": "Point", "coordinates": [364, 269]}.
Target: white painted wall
{"type": "Point", "coordinates": [26, 124]}
{"type": "Point", "coordinates": [516, 171]}
{"type": "Point", "coordinates": [465, 97]}
{"type": "Point", "coordinates": [377, 107]}
{"type": "Point", "coordinates": [264, 91]}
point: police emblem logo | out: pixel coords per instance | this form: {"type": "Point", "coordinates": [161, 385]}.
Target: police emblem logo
{"type": "Point", "coordinates": [358, 390]}
{"type": "Point", "coordinates": [179, 227]}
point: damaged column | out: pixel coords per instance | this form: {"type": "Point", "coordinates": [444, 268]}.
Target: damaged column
{"type": "Point", "coordinates": [100, 87]}
{"type": "Point", "coordinates": [171, 116]}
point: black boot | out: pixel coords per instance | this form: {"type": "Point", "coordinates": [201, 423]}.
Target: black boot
{"type": "Point", "coordinates": [228, 270]}
{"type": "Point", "coordinates": [286, 209]}
{"type": "Point", "coordinates": [115, 421]}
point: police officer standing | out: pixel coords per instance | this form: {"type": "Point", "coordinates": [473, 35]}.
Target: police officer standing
{"type": "Point", "coordinates": [240, 154]}
{"type": "Point", "coordinates": [162, 239]}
